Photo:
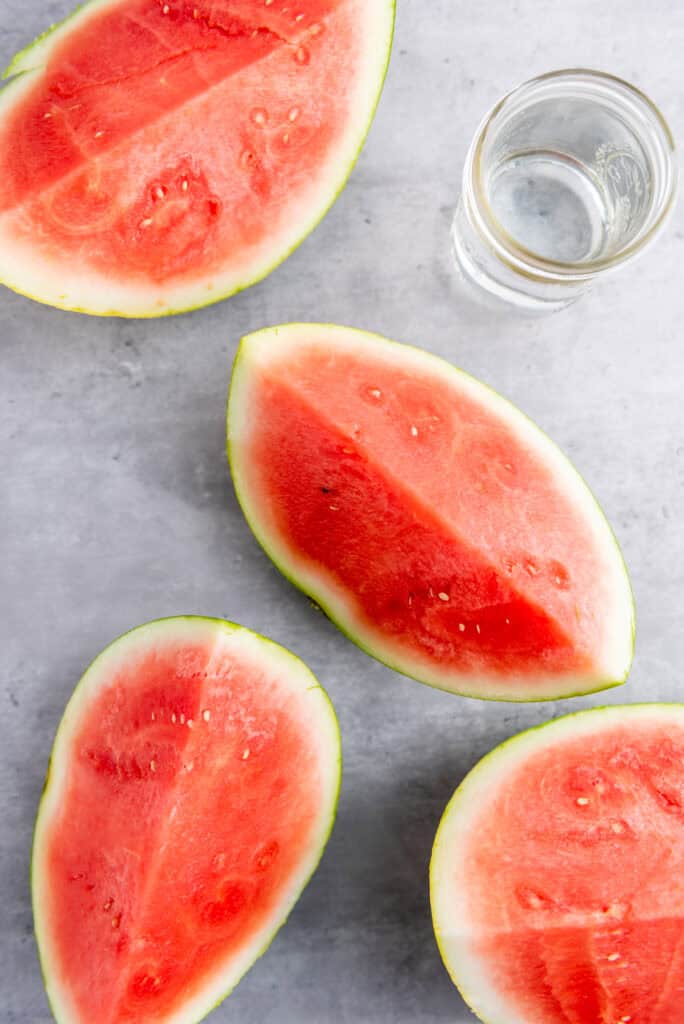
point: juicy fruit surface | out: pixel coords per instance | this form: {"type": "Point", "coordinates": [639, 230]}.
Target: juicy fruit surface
{"type": "Point", "coordinates": [193, 792]}
{"type": "Point", "coordinates": [402, 489]}
{"type": "Point", "coordinates": [167, 141]}
{"type": "Point", "coordinates": [563, 879]}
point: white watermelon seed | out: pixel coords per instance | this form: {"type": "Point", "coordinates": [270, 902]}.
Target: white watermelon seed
{"type": "Point", "coordinates": [582, 801]}
{"type": "Point", "coordinates": [190, 723]}
{"type": "Point", "coordinates": [182, 719]}
{"type": "Point", "coordinates": [206, 715]}
{"type": "Point", "coordinates": [613, 957]}
{"type": "Point", "coordinates": [414, 431]}
{"type": "Point", "coordinates": [173, 717]}
{"type": "Point", "coordinates": [294, 114]}
{"type": "Point", "coordinates": [442, 596]}
{"type": "Point", "coordinates": [146, 222]}
{"type": "Point", "coordinates": [461, 626]}
{"type": "Point", "coordinates": [184, 185]}
{"type": "Point", "coordinates": [165, 9]}
{"type": "Point", "coordinates": [153, 766]}
{"type": "Point", "coordinates": [245, 753]}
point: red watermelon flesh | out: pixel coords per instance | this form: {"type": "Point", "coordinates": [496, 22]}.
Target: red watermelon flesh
{"type": "Point", "coordinates": [556, 874]}
{"type": "Point", "coordinates": [192, 788]}
{"type": "Point", "coordinates": [433, 522]}
{"type": "Point", "coordinates": [167, 152]}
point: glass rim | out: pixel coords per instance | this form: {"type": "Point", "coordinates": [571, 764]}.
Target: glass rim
{"type": "Point", "coordinates": [533, 263]}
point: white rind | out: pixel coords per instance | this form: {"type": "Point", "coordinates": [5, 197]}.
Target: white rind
{"type": "Point", "coordinates": [28, 271]}
{"type": "Point", "coordinates": [293, 674]}
{"type": "Point", "coordinates": [271, 346]}
{"type": "Point", "coordinates": [448, 893]}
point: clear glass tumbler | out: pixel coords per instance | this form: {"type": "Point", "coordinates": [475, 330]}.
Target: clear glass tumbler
{"type": "Point", "coordinates": [568, 176]}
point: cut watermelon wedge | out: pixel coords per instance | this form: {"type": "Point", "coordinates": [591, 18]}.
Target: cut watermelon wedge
{"type": "Point", "coordinates": [158, 155]}
{"type": "Point", "coordinates": [431, 520]}
{"type": "Point", "coordinates": [555, 879]}
{"type": "Point", "coordinates": [192, 789]}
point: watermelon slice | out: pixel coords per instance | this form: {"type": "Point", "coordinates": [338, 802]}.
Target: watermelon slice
{"type": "Point", "coordinates": [433, 522]}
{"type": "Point", "coordinates": [192, 789]}
{"type": "Point", "coordinates": [158, 155]}
{"type": "Point", "coordinates": [556, 875]}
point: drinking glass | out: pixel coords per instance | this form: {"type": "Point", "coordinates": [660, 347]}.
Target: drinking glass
{"type": "Point", "coordinates": [568, 177]}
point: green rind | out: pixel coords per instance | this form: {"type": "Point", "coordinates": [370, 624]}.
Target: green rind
{"type": "Point", "coordinates": [230, 627]}
{"type": "Point", "coordinates": [319, 599]}
{"type": "Point", "coordinates": [459, 797]}
{"type": "Point", "coordinates": [261, 275]}
{"type": "Point", "coordinates": [13, 66]}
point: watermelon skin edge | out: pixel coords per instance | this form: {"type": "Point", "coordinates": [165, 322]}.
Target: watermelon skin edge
{"type": "Point", "coordinates": [20, 66]}
{"type": "Point", "coordinates": [476, 779]}
{"type": "Point", "coordinates": [71, 709]}
{"type": "Point", "coordinates": [503, 695]}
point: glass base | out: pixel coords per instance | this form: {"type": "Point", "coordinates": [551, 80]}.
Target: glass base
{"type": "Point", "coordinates": [481, 267]}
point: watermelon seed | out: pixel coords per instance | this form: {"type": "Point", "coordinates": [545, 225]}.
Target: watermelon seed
{"type": "Point", "coordinates": [47, 116]}
{"type": "Point", "coordinates": [259, 116]}
{"type": "Point", "coordinates": [477, 628]}
{"type": "Point", "coordinates": [245, 753]}
{"type": "Point", "coordinates": [302, 55]}
{"type": "Point", "coordinates": [189, 766]}
{"type": "Point", "coordinates": [98, 133]}
{"type": "Point", "coordinates": [334, 508]}
{"type": "Point", "coordinates": [182, 719]}
{"type": "Point", "coordinates": [613, 957]}
{"type": "Point", "coordinates": [195, 13]}
{"type": "Point", "coordinates": [300, 17]}
{"type": "Point", "coordinates": [461, 627]}
{"type": "Point", "coordinates": [184, 185]}
{"type": "Point", "coordinates": [531, 567]}
{"type": "Point", "coordinates": [153, 716]}
{"type": "Point", "coordinates": [173, 717]}
{"type": "Point", "coordinates": [190, 723]}
{"type": "Point", "coordinates": [108, 905]}
{"type": "Point", "coordinates": [165, 9]}
{"type": "Point", "coordinates": [160, 192]}
{"type": "Point", "coordinates": [206, 715]}
{"type": "Point", "coordinates": [625, 1020]}
{"type": "Point", "coordinates": [617, 827]}
{"type": "Point", "coordinates": [292, 116]}
{"type": "Point", "coordinates": [508, 466]}
{"type": "Point", "coordinates": [267, 3]}
{"type": "Point", "coordinates": [442, 596]}
{"type": "Point", "coordinates": [286, 138]}
{"type": "Point", "coordinates": [414, 431]}
{"type": "Point", "coordinates": [146, 222]}
{"type": "Point", "coordinates": [508, 622]}
{"type": "Point", "coordinates": [153, 765]}
{"type": "Point", "coordinates": [582, 801]}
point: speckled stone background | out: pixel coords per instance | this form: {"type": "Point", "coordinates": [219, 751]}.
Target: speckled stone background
{"type": "Point", "coordinates": [116, 505]}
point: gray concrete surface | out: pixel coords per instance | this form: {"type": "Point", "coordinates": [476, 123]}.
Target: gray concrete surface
{"type": "Point", "coordinates": [117, 507]}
